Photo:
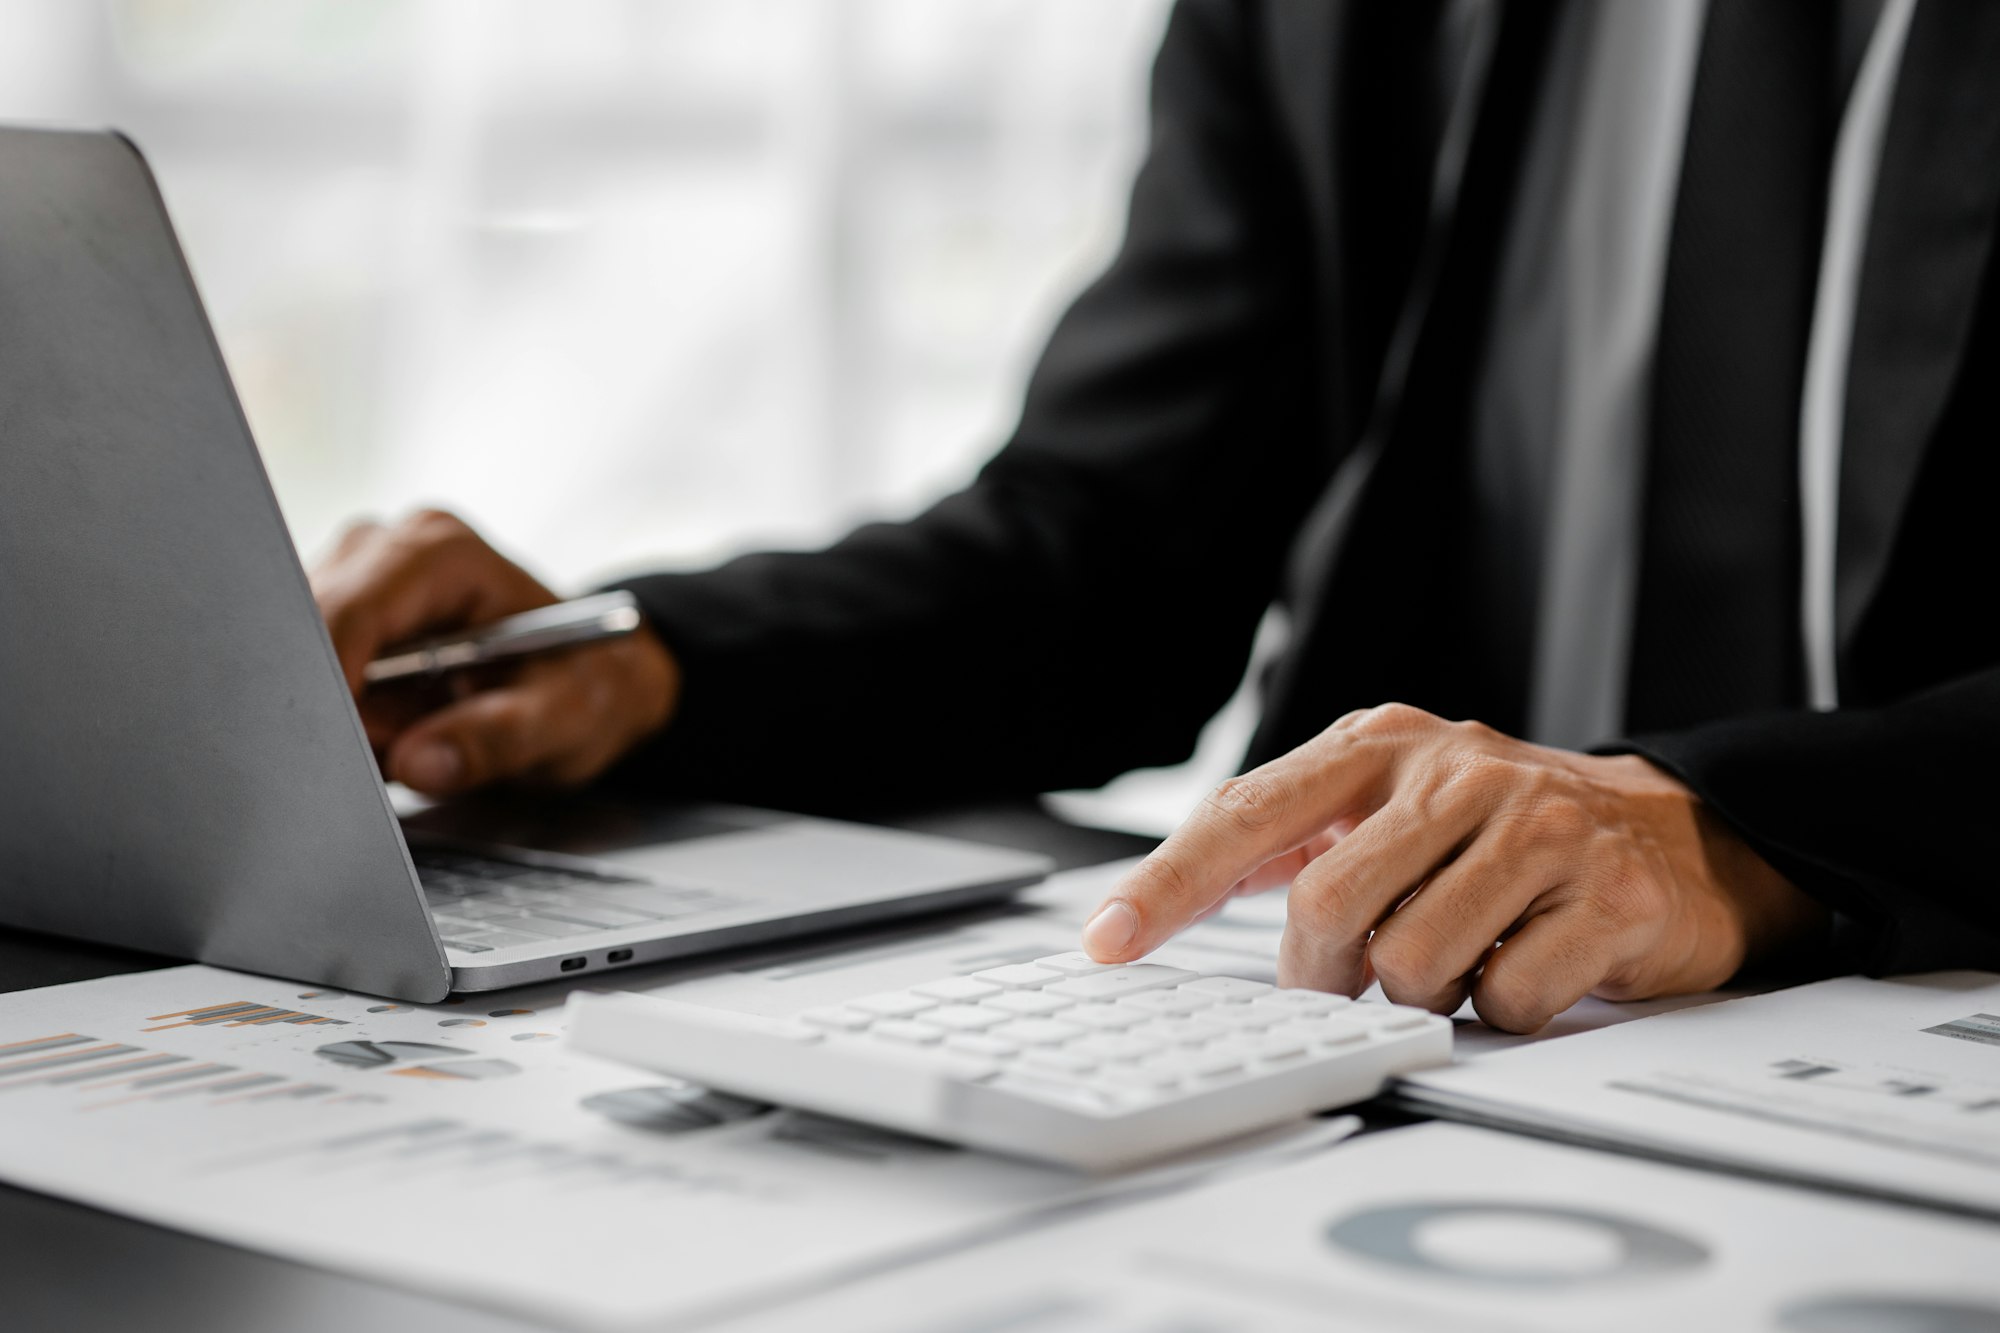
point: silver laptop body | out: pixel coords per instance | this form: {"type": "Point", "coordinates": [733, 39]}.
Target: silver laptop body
{"type": "Point", "coordinates": [181, 768]}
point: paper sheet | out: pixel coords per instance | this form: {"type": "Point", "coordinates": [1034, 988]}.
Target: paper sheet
{"type": "Point", "coordinates": [462, 1149]}
{"type": "Point", "coordinates": [1887, 1086]}
{"type": "Point", "coordinates": [1440, 1229]}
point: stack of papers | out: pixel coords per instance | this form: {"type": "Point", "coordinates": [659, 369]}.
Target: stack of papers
{"type": "Point", "coordinates": [463, 1149]}
{"type": "Point", "coordinates": [1888, 1087]}
{"type": "Point", "coordinates": [1443, 1228]}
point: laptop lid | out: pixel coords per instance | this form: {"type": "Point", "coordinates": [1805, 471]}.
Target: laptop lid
{"type": "Point", "coordinates": [181, 769]}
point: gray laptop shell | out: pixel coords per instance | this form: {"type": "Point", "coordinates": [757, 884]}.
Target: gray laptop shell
{"type": "Point", "coordinates": [180, 767]}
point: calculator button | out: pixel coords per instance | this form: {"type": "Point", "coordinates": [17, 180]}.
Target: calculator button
{"type": "Point", "coordinates": [1229, 989]}
{"type": "Point", "coordinates": [839, 1019]}
{"type": "Point", "coordinates": [1170, 1002]}
{"type": "Point", "coordinates": [1105, 1017]}
{"type": "Point", "coordinates": [1211, 1063]}
{"type": "Point", "coordinates": [1247, 1018]}
{"type": "Point", "coordinates": [894, 1004]}
{"type": "Point", "coordinates": [1149, 1077]}
{"type": "Point", "coordinates": [955, 988]}
{"type": "Point", "coordinates": [1030, 1003]}
{"type": "Point", "coordinates": [1325, 1032]}
{"type": "Point", "coordinates": [1276, 1048]}
{"type": "Point", "coordinates": [902, 1029]}
{"type": "Point", "coordinates": [964, 1017]}
{"type": "Point", "coordinates": [1060, 1059]}
{"type": "Point", "coordinates": [1302, 1001]}
{"type": "Point", "coordinates": [1018, 976]}
{"type": "Point", "coordinates": [1073, 964]}
{"type": "Point", "coordinates": [1103, 1046]}
{"type": "Point", "coordinates": [979, 1044]}
{"type": "Point", "coordinates": [1179, 1066]}
{"type": "Point", "coordinates": [1179, 1031]}
{"type": "Point", "coordinates": [1404, 1020]}
{"type": "Point", "coordinates": [1037, 1031]}
{"type": "Point", "coordinates": [1119, 981]}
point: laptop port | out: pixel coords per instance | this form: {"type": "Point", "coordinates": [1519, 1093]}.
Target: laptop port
{"type": "Point", "coordinates": [618, 956]}
{"type": "Point", "coordinates": [572, 964]}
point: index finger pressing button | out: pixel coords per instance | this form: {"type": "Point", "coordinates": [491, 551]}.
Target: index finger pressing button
{"type": "Point", "coordinates": [1075, 964]}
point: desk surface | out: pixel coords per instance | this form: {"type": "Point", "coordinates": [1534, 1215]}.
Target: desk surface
{"type": "Point", "coordinates": [70, 1266]}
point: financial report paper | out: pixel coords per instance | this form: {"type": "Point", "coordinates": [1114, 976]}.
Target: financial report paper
{"type": "Point", "coordinates": [1889, 1086]}
{"type": "Point", "coordinates": [1444, 1228]}
{"type": "Point", "coordinates": [462, 1148]}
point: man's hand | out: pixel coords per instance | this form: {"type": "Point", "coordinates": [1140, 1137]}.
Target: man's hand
{"type": "Point", "coordinates": [1447, 859]}
{"type": "Point", "coordinates": [561, 718]}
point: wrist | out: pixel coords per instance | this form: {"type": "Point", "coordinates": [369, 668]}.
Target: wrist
{"type": "Point", "coordinates": [1780, 922]}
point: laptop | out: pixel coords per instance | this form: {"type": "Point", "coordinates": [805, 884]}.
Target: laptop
{"type": "Point", "coordinates": [181, 767]}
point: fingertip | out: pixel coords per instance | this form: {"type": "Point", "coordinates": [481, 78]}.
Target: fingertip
{"type": "Point", "coordinates": [1110, 932]}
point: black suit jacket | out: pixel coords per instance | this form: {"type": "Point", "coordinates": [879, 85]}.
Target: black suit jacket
{"type": "Point", "coordinates": [1302, 287]}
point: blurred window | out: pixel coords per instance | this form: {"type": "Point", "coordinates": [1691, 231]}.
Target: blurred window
{"type": "Point", "coordinates": [628, 282]}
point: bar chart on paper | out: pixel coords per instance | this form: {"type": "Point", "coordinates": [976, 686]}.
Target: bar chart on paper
{"type": "Point", "coordinates": [457, 1148]}
{"type": "Point", "coordinates": [100, 1074]}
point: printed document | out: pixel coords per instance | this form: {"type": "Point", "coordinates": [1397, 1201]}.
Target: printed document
{"type": "Point", "coordinates": [1441, 1229]}
{"type": "Point", "coordinates": [462, 1149]}
{"type": "Point", "coordinates": [1890, 1087]}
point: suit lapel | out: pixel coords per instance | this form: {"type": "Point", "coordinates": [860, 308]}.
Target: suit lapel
{"type": "Point", "coordinates": [1930, 238]}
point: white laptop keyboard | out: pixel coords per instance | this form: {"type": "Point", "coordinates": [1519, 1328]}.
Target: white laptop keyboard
{"type": "Point", "coordinates": [1063, 1059]}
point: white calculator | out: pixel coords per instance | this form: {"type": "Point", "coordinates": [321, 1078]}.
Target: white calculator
{"type": "Point", "coordinates": [1063, 1059]}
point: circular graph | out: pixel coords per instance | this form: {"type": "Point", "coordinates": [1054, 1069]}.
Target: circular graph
{"type": "Point", "coordinates": [1887, 1314]}
{"type": "Point", "coordinates": [461, 1022]}
{"type": "Point", "coordinates": [1513, 1244]}
{"type": "Point", "coordinates": [380, 1054]}
{"type": "Point", "coordinates": [672, 1110]}
{"type": "Point", "coordinates": [415, 1059]}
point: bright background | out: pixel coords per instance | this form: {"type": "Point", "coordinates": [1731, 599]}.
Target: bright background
{"type": "Point", "coordinates": [628, 283]}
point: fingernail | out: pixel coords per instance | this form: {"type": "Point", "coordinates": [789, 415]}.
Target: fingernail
{"type": "Point", "coordinates": [1114, 927]}
{"type": "Point", "coordinates": [432, 767]}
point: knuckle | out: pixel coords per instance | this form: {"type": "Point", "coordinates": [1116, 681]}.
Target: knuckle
{"type": "Point", "coordinates": [1161, 879]}
{"type": "Point", "coordinates": [1249, 803]}
{"type": "Point", "coordinates": [1395, 718]}
{"type": "Point", "coordinates": [1511, 998]}
{"type": "Point", "coordinates": [1314, 909]}
{"type": "Point", "coordinates": [435, 523]}
{"type": "Point", "coordinates": [1409, 960]}
{"type": "Point", "coordinates": [1475, 732]}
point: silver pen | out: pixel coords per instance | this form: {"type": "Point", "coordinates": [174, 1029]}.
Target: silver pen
{"type": "Point", "coordinates": [585, 620]}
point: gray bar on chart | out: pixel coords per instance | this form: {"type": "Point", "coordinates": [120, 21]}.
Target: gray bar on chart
{"type": "Point", "coordinates": [182, 1075]}
{"type": "Point", "coordinates": [150, 1062]}
{"type": "Point", "coordinates": [228, 1015]}
{"type": "Point", "coordinates": [46, 1044]}
{"type": "Point", "coordinates": [227, 1085]}
{"type": "Point", "coordinates": [57, 1061]}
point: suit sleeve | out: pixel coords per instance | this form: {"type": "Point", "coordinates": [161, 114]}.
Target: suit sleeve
{"type": "Point", "coordinates": [1086, 604]}
{"type": "Point", "coordinates": [1880, 813]}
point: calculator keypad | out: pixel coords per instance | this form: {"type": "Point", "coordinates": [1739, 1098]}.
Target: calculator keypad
{"type": "Point", "coordinates": [1073, 1030]}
